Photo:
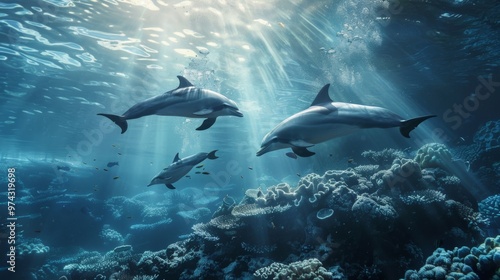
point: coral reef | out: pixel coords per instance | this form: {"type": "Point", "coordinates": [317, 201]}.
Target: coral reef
{"type": "Point", "coordinates": [481, 262]}
{"type": "Point", "coordinates": [367, 222]}
{"type": "Point", "coordinates": [331, 214]}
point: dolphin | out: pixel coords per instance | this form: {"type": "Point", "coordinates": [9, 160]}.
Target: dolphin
{"type": "Point", "coordinates": [184, 101]}
{"type": "Point", "coordinates": [180, 167]}
{"type": "Point", "coordinates": [325, 120]}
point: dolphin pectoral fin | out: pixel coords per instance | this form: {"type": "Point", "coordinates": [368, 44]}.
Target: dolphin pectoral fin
{"type": "Point", "coordinates": [203, 112]}
{"type": "Point", "coordinates": [302, 152]}
{"type": "Point", "coordinates": [118, 120]}
{"type": "Point", "coordinates": [206, 124]}
{"type": "Point", "coordinates": [409, 125]}
{"type": "Point", "coordinates": [183, 82]}
{"type": "Point", "coordinates": [301, 143]}
{"type": "Point", "coordinates": [170, 186]}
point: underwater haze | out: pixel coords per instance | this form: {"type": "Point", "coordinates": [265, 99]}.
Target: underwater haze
{"type": "Point", "coordinates": [159, 139]}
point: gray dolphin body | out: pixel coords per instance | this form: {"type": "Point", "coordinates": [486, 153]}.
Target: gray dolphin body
{"type": "Point", "coordinates": [184, 101]}
{"type": "Point", "coordinates": [325, 120]}
{"type": "Point", "coordinates": [180, 167]}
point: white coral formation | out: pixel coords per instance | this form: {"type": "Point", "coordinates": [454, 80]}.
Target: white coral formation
{"type": "Point", "coordinates": [301, 270]}
{"type": "Point", "coordinates": [32, 246]}
{"type": "Point", "coordinates": [249, 210]}
{"type": "Point", "coordinates": [422, 197]}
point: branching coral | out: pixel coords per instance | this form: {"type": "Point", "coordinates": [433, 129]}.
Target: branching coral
{"type": "Point", "coordinates": [422, 197]}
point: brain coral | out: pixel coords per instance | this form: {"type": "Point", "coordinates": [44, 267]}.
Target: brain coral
{"type": "Point", "coordinates": [301, 270]}
{"type": "Point", "coordinates": [433, 155]}
{"type": "Point", "coordinates": [481, 262]}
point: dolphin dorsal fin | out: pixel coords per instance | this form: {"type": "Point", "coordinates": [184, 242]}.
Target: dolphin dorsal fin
{"type": "Point", "coordinates": [322, 96]}
{"type": "Point", "coordinates": [176, 158]}
{"type": "Point", "coordinates": [183, 82]}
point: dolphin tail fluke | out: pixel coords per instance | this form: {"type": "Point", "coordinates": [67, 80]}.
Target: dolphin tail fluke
{"type": "Point", "coordinates": [302, 152]}
{"type": "Point", "coordinates": [409, 125]}
{"type": "Point", "coordinates": [212, 155]}
{"type": "Point", "coordinates": [206, 124]}
{"type": "Point", "coordinates": [118, 120]}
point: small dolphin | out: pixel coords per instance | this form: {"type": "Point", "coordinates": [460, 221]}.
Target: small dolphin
{"type": "Point", "coordinates": [179, 168]}
{"type": "Point", "coordinates": [184, 101]}
{"type": "Point", "coordinates": [325, 120]}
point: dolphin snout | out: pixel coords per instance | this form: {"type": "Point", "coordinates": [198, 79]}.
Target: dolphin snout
{"type": "Point", "coordinates": [262, 151]}
{"type": "Point", "coordinates": [237, 113]}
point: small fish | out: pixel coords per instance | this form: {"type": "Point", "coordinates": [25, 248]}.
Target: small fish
{"type": "Point", "coordinates": [129, 217]}
{"type": "Point", "coordinates": [112, 163]}
{"type": "Point", "coordinates": [84, 162]}
{"type": "Point", "coordinates": [97, 168]}
{"type": "Point", "coordinates": [114, 178]}
{"type": "Point", "coordinates": [331, 155]}
{"type": "Point", "coordinates": [281, 24]}
{"type": "Point", "coordinates": [38, 231]}
{"type": "Point", "coordinates": [197, 172]}
{"type": "Point", "coordinates": [298, 174]}
{"type": "Point", "coordinates": [250, 168]}
{"type": "Point", "coordinates": [104, 169]}
{"type": "Point", "coordinates": [206, 173]}
{"type": "Point", "coordinates": [188, 176]}
{"type": "Point", "coordinates": [94, 159]}
{"type": "Point", "coordinates": [199, 166]}
{"type": "Point", "coordinates": [241, 176]}
{"type": "Point", "coordinates": [291, 155]}
{"type": "Point", "coordinates": [119, 154]}
{"type": "Point", "coordinates": [350, 160]}
{"type": "Point", "coordinates": [113, 145]}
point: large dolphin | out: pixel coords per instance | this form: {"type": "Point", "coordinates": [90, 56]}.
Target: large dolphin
{"type": "Point", "coordinates": [325, 120]}
{"type": "Point", "coordinates": [180, 167]}
{"type": "Point", "coordinates": [184, 101]}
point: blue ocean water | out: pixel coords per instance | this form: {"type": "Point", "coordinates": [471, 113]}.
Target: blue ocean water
{"type": "Point", "coordinates": [74, 201]}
